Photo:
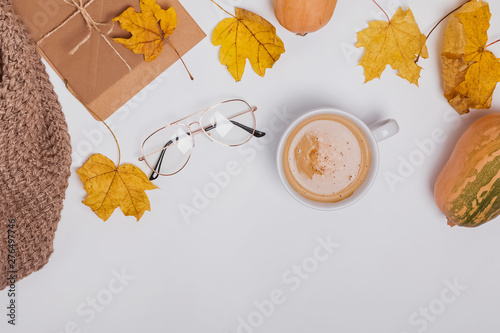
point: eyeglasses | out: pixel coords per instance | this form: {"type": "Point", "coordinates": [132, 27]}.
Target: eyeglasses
{"type": "Point", "coordinates": [230, 123]}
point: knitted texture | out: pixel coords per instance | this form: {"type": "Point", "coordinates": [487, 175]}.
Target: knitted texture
{"type": "Point", "coordinates": [35, 153]}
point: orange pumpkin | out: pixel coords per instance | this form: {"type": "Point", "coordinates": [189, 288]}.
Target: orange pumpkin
{"type": "Point", "coordinates": [304, 16]}
{"type": "Point", "coordinates": [468, 188]}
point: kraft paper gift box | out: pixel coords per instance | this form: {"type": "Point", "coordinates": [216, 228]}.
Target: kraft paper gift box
{"type": "Point", "coordinates": [103, 75]}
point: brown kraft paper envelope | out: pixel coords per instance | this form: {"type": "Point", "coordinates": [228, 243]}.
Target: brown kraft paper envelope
{"type": "Point", "coordinates": [95, 73]}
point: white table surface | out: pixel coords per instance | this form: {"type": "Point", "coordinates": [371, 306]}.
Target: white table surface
{"type": "Point", "coordinates": [250, 259]}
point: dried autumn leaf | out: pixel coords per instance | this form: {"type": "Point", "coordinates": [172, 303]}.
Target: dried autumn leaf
{"type": "Point", "coordinates": [149, 29]}
{"type": "Point", "coordinates": [396, 43]}
{"type": "Point", "coordinates": [247, 36]}
{"type": "Point", "coordinates": [109, 187]}
{"type": "Point", "coordinates": [470, 73]}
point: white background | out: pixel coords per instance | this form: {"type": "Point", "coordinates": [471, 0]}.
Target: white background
{"type": "Point", "coordinates": [396, 258]}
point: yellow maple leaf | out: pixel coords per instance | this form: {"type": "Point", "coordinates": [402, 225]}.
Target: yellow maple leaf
{"type": "Point", "coordinates": [109, 187]}
{"type": "Point", "coordinates": [396, 43]}
{"type": "Point", "coordinates": [470, 73]}
{"type": "Point", "coordinates": [149, 29]}
{"type": "Point", "coordinates": [247, 36]}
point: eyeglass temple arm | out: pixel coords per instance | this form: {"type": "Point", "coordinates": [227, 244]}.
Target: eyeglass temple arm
{"type": "Point", "coordinates": [250, 130]}
{"type": "Point", "coordinates": [155, 174]}
{"type": "Point", "coordinates": [256, 133]}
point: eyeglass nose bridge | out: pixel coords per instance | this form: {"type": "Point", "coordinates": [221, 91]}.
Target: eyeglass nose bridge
{"type": "Point", "coordinates": [195, 131]}
{"type": "Point", "coordinates": [193, 122]}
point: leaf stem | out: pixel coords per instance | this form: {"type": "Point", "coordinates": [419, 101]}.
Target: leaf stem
{"type": "Point", "coordinates": [437, 24]}
{"type": "Point", "coordinates": [388, 19]}
{"type": "Point", "coordinates": [498, 40]}
{"type": "Point", "coordinates": [99, 118]}
{"type": "Point", "coordinates": [225, 11]}
{"type": "Point", "coordinates": [166, 40]}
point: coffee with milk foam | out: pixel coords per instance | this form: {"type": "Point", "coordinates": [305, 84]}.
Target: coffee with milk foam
{"type": "Point", "coordinates": [326, 158]}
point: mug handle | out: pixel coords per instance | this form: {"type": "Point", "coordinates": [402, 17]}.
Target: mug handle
{"type": "Point", "coordinates": [384, 129]}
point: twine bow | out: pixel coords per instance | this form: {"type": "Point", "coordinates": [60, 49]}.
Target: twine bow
{"type": "Point", "coordinates": [92, 25]}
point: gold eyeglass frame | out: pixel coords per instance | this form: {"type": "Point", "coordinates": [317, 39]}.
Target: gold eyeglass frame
{"type": "Point", "coordinates": [201, 129]}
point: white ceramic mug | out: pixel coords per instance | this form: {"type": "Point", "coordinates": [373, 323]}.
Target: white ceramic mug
{"type": "Point", "coordinates": [374, 133]}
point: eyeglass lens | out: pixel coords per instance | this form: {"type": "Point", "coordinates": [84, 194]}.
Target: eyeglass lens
{"type": "Point", "coordinates": [230, 123]}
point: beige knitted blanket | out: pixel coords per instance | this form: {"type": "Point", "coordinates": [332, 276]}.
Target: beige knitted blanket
{"type": "Point", "coordinates": [35, 154]}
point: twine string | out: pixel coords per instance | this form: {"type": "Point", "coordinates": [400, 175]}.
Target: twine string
{"type": "Point", "coordinates": [92, 25]}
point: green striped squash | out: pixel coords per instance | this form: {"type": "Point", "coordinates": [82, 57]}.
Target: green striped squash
{"type": "Point", "coordinates": [468, 188]}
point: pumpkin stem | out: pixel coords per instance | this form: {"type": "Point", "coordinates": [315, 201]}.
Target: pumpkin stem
{"type": "Point", "coordinates": [451, 223]}
{"type": "Point", "coordinates": [302, 34]}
